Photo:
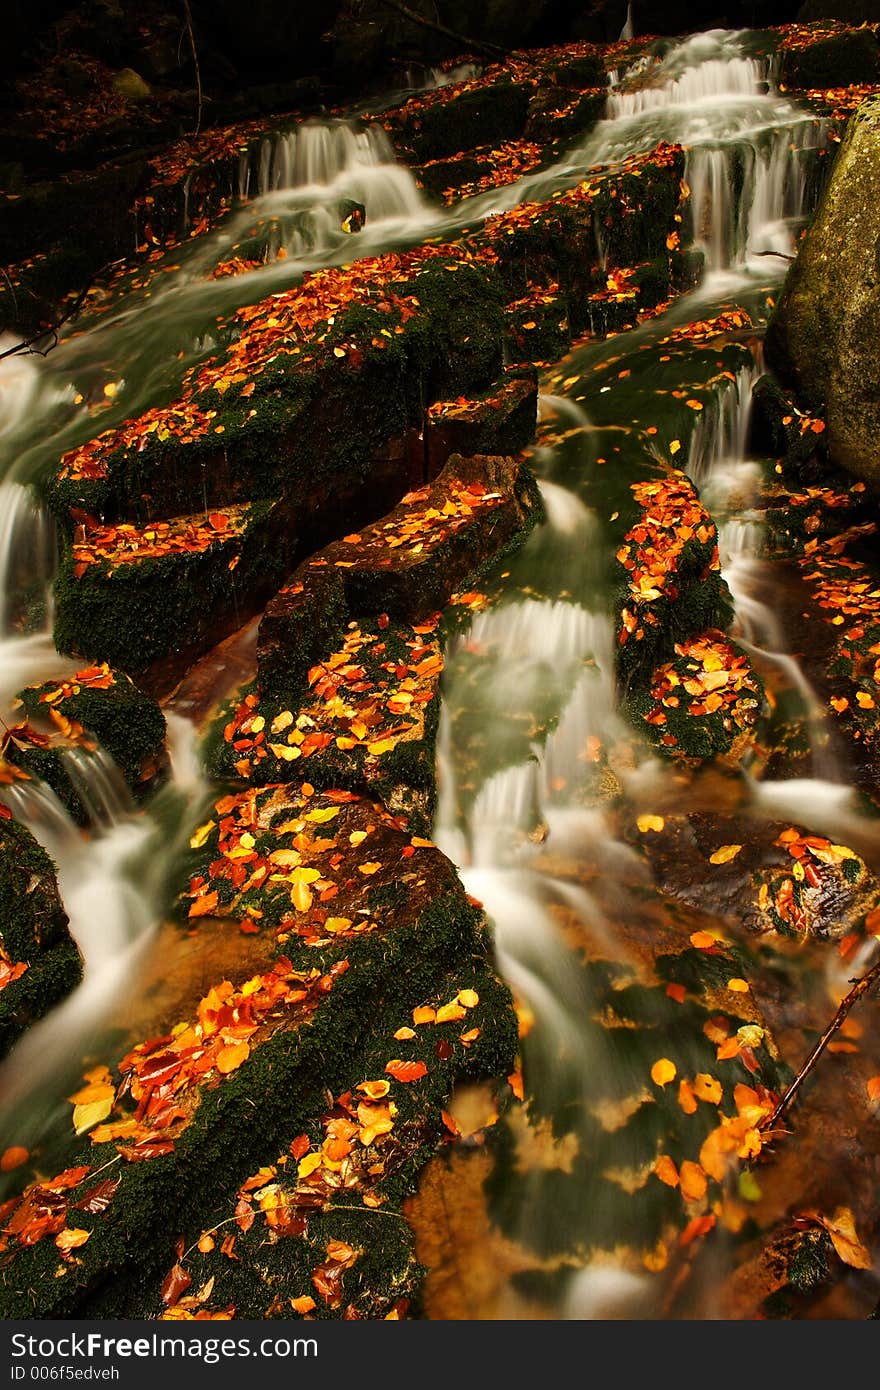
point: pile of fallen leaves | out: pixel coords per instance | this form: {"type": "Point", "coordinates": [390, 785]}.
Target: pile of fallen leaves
{"type": "Point", "coordinates": [362, 697]}
{"type": "Point", "coordinates": [504, 165]}
{"type": "Point", "coordinates": [785, 897]}
{"type": "Point", "coordinates": [282, 325]}
{"type": "Point", "coordinates": [304, 861]}
{"type": "Point", "coordinates": [708, 677]}
{"type": "Point", "coordinates": [124, 543]}
{"type": "Point", "coordinates": [707, 330]}
{"type": "Point", "coordinates": [153, 1102]}
{"type": "Point", "coordinates": [653, 550]}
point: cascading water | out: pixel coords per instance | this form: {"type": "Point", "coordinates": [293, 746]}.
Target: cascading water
{"type": "Point", "coordinates": [526, 823]}
{"type": "Point", "coordinates": [529, 697]}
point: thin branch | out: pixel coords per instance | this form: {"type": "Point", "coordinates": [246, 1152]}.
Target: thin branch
{"type": "Point", "coordinates": [29, 345]}
{"type": "Point", "coordinates": [192, 43]}
{"type": "Point", "coordinates": [859, 987]}
{"type": "Point", "coordinates": [470, 45]}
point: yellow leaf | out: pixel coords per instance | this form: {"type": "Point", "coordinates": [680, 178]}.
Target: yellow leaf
{"type": "Point", "coordinates": [469, 998]}
{"type": "Point", "coordinates": [281, 722]}
{"type": "Point", "coordinates": [381, 745]}
{"type": "Point", "coordinates": [646, 823]}
{"type": "Point", "coordinates": [724, 854]}
{"type": "Point", "coordinates": [308, 1165]}
{"type": "Point", "coordinates": [285, 752]}
{"type": "Point", "coordinates": [449, 1013]}
{"type": "Point", "coordinates": [71, 1239]}
{"type": "Point", "coordinates": [841, 1227]}
{"type": "Point", "coordinates": [322, 814]}
{"type": "Point", "coordinates": [738, 986]}
{"type": "Point", "coordinates": [707, 1088]}
{"type": "Point", "coordinates": [231, 1057]}
{"type": "Point", "coordinates": [84, 1116]}
{"type": "Point", "coordinates": [663, 1072]}
{"type": "Point", "coordinates": [200, 836]}
{"type": "Point", "coordinates": [675, 446]}
{"type": "Point", "coordinates": [96, 1090]}
{"type": "Point", "coordinates": [370, 868]}
{"type": "Point", "coordinates": [301, 896]}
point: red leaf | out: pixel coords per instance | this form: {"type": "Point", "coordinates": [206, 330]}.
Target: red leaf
{"type": "Point", "coordinates": [175, 1283]}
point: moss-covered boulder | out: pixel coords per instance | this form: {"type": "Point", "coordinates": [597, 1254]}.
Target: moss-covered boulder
{"type": "Point", "coordinates": [39, 961]}
{"type": "Point", "coordinates": [370, 923]}
{"type": "Point", "coordinates": [824, 339]}
{"type": "Point", "coordinates": [318, 1232]}
{"type": "Point", "coordinates": [832, 57]}
{"type": "Point", "coordinates": [406, 566]}
{"type": "Point", "coordinates": [438, 124]}
{"type": "Point", "coordinates": [94, 706]}
{"type": "Point", "coordinates": [130, 595]}
{"type": "Point", "coordinates": [366, 720]}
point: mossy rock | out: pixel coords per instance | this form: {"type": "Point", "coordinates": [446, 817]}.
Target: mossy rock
{"type": "Point", "coordinates": [33, 933]}
{"type": "Point", "coordinates": [823, 337]}
{"type": "Point", "coordinates": [136, 613]}
{"type": "Point", "coordinates": [313, 1027]}
{"type": "Point", "coordinates": [499, 420]}
{"type": "Point", "coordinates": [288, 1257]}
{"type": "Point", "coordinates": [407, 566]}
{"type": "Point", "coordinates": [439, 127]}
{"type": "Point", "coordinates": [128, 724]}
{"type": "Point", "coordinates": [838, 60]}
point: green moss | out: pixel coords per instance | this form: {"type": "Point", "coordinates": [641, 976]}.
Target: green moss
{"type": "Point", "coordinates": [141, 611]}
{"type": "Point", "coordinates": [283, 1084]}
{"type": "Point", "coordinates": [33, 930]}
{"type": "Point", "coordinates": [128, 724]}
{"type": "Point", "coordinates": [489, 115]}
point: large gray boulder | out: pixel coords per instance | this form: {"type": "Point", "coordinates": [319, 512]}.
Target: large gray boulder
{"type": "Point", "coordinates": [824, 339]}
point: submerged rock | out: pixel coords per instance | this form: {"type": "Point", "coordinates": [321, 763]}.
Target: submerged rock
{"type": "Point", "coordinates": [824, 338]}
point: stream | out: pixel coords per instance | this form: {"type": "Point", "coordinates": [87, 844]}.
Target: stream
{"type": "Point", "coordinates": [529, 698]}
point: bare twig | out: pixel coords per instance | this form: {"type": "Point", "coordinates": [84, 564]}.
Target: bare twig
{"type": "Point", "coordinates": [470, 45]}
{"type": "Point", "coordinates": [859, 987]}
{"type": "Point", "coordinates": [192, 43]}
{"type": "Point", "coordinates": [29, 346]}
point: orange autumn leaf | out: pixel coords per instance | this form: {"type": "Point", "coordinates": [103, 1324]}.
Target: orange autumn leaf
{"type": "Point", "coordinates": [841, 1227]}
{"type": "Point", "coordinates": [406, 1071]}
{"type": "Point", "coordinates": [229, 1058]}
{"type": "Point", "coordinates": [686, 1098]}
{"type": "Point", "coordinates": [203, 905]}
{"type": "Point", "coordinates": [873, 1088]}
{"type": "Point", "coordinates": [663, 1071]}
{"type": "Point", "coordinates": [693, 1181]}
{"type": "Point", "coordinates": [13, 1157]}
{"type": "Point", "coordinates": [666, 1170]}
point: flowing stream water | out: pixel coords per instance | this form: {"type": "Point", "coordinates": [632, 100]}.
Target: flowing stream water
{"type": "Point", "coordinates": [529, 688]}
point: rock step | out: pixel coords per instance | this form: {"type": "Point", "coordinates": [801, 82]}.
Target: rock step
{"type": "Point", "coordinates": [407, 566]}
{"type": "Point", "coordinates": [96, 706]}
{"type": "Point", "coordinates": [175, 1116]}
{"type": "Point", "coordinates": [368, 721]}
{"type": "Point", "coordinates": [39, 961]}
{"type": "Point", "coordinates": [131, 595]}
{"type": "Point", "coordinates": [319, 1231]}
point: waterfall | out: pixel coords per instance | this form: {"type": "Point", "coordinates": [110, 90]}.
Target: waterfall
{"type": "Point", "coordinates": [113, 890]}
{"type": "Point", "coordinates": [305, 175]}
{"type": "Point", "coordinates": [729, 483]}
